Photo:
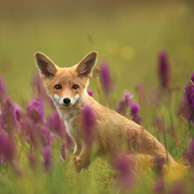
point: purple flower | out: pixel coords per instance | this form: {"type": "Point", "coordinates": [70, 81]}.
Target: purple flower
{"type": "Point", "coordinates": [2, 90]}
{"type": "Point", "coordinates": [54, 123]}
{"type": "Point", "coordinates": [7, 149]}
{"type": "Point", "coordinates": [128, 97]}
{"type": "Point", "coordinates": [47, 156]}
{"type": "Point", "coordinates": [178, 188]}
{"type": "Point", "coordinates": [164, 69]}
{"type": "Point", "coordinates": [124, 165]}
{"type": "Point", "coordinates": [10, 115]}
{"type": "Point", "coordinates": [35, 110]}
{"type": "Point", "coordinates": [90, 93]}
{"type": "Point", "coordinates": [105, 78]}
{"type": "Point", "coordinates": [134, 108]}
{"type": "Point", "coordinates": [188, 155]}
{"type": "Point", "coordinates": [89, 123]}
{"type": "Point", "coordinates": [135, 113]}
{"type": "Point", "coordinates": [121, 107]}
{"type": "Point", "coordinates": [187, 106]}
{"type": "Point", "coordinates": [159, 164]}
{"type": "Point", "coordinates": [159, 186]}
{"type": "Point", "coordinates": [32, 158]}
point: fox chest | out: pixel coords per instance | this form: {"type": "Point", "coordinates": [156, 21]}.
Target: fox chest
{"type": "Point", "coordinates": [72, 124]}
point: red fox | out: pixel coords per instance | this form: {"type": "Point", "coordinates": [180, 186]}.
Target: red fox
{"type": "Point", "coordinates": [115, 133]}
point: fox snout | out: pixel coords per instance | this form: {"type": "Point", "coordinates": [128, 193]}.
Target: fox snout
{"type": "Point", "coordinates": [65, 101]}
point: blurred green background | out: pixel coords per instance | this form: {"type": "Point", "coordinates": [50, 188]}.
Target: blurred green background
{"type": "Point", "coordinates": [127, 34]}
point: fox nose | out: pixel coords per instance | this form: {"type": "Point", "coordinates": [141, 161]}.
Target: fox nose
{"type": "Point", "coordinates": [66, 101]}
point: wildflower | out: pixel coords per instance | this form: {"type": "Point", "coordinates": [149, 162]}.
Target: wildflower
{"type": "Point", "coordinates": [2, 90]}
{"type": "Point", "coordinates": [164, 69]}
{"type": "Point", "coordinates": [105, 78]}
{"type": "Point", "coordinates": [47, 154]}
{"type": "Point", "coordinates": [124, 165]}
{"type": "Point", "coordinates": [188, 155]}
{"type": "Point", "coordinates": [135, 113]}
{"type": "Point", "coordinates": [32, 160]}
{"type": "Point", "coordinates": [54, 123]}
{"type": "Point", "coordinates": [178, 188]}
{"type": "Point", "coordinates": [159, 186]}
{"type": "Point", "coordinates": [159, 164]}
{"type": "Point", "coordinates": [128, 97]}
{"type": "Point", "coordinates": [7, 149]}
{"type": "Point", "coordinates": [90, 93]}
{"type": "Point", "coordinates": [89, 123]}
{"type": "Point", "coordinates": [35, 110]}
{"type": "Point", "coordinates": [10, 115]}
{"type": "Point", "coordinates": [121, 107]}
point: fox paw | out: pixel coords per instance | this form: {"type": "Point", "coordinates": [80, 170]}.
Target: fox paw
{"type": "Point", "coordinates": [76, 161]}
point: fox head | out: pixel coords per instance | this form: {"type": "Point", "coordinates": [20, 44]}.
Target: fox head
{"type": "Point", "coordinates": [66, 86]}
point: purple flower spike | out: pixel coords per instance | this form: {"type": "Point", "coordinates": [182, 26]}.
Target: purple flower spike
{"type": "Point", "coordinates": [188, 155]}
{"type": "Point", "coordinates": [89, 123]}
{"type": "Point", "coordinates": [159, 186]}
{"type": "Point", "coordinates": [159, 163]}
{"type": "Point", "coordinates": [121, 107]}
{"type": "Point", "coordinates": [32, 160]}
{"type": "Point", "coordinates": [134, 108]}
{"type": "Point", "coordinates": [105, 78]}
{"type": "Point", "coordinates": [124, 165]}
{"type": "Point", "coordinates": [54, 123]}
{"type": "Point", "coordinates": [128, 97]}
{"type": "Point", "coordinates": [90, 93]}
{"type": "Point", "coordinates": [11, 114]}
{"type": "Point", "coordinates": [7, 149]}
{"type": "Point", "coordinates": [164, 69]}
{"type": "Point", "coordinates": [35, 110]}
{"type": "Point", "coordinates": [47, 154]}
{"type": "Point", "coordinates": [135, 113]}
{"type": "Point", "coordinates": [187, 106]}
{"type": "Point", "coordinates": [2, 90]}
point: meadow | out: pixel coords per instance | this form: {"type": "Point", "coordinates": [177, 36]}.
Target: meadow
{"type": "Point", "coordinates": [148, 48]}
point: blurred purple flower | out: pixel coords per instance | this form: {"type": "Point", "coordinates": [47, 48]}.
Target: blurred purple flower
{"type": "Point", "coordinates": [7, 149]}
{"type": "Point", "coordinates": [159, 186]}
{"type": "Point", "coordinates": [124, 165]}
{"type": "Point", "coordinates": [134, 108]}
{"type": "Point", "coordinates": [164, 69]}
{"type": "Point", "coordinates": [35, 110]}
{"type": "Point", "coordinates": [54, 123]}
{"type": "Point", "coordinates": [10, 115]}
{"type": "Point", "coordinates": [105, 78]}
{"type": "Point", "coordinates": [89, 123]}
{"type": "Point", "coordinates": [90, 93]}
{"type": "Point", "coordinates": [32, 158]}
{"type": "Point", "coordinates": [159, 164]}
{"type": "Point", "coordinates": [121, 107]}
{"type": "Point", "coordinates": [128, 97]}
{"type": "Point", "coordinates": [178, 188]}
{"type": "Point", "coordinates": [47, 157]}
{"type": "Point", "coordinates": [187, 106]}
{"type": "Point", "coordinates": [2, 90]}
{"type": "Point", "coordinates": [135, 113]}
{"type": "Point", "coordinates": [188, 154]}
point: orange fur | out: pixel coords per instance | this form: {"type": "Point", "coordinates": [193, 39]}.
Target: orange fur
{"type": "Point", "coordinates": [116, 134]}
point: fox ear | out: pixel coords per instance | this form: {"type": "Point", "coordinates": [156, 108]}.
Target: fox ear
{"type": "Point", "coordinates": [86, 65]}
{"type": "Point", "coordinates": [45, 65]}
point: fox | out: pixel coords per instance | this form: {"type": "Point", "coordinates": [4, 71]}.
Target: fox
{"type": "Point", "coordinates": [116, 135]}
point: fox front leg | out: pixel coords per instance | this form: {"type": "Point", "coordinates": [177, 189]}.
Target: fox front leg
{"type": "Point", "coordinates": [83, 160]}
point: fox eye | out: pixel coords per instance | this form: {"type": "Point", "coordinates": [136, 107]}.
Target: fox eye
{"type": "Point", "coordinates": [75, 86]}
{"type": "Point", "coordinates": [58, 86]}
